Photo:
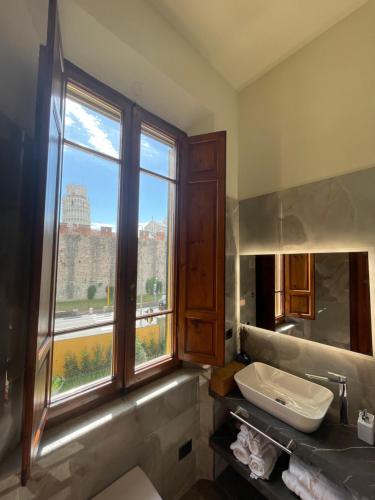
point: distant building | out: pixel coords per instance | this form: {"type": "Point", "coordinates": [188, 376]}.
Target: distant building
{"type": "Point", "coordinates": [76, 206]}
{"type": "Point", "coordinates": [87, 255]}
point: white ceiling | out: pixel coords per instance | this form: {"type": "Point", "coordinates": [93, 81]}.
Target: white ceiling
{"type": "Point", "coordinates": [242, 39]}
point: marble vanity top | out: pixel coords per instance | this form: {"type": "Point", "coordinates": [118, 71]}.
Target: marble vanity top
{"type": "Point", "coordinates": [334, 448]}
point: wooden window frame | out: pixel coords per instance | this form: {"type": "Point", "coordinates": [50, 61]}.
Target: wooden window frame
{"type": "Point", "coordinates": [134, 377]}
{"type": "Point", "coordinates": [308, 293]}
{"type": "Point", "coordinates": [125, 376]}
{"type": "Point", "coordinates": [280, 318]}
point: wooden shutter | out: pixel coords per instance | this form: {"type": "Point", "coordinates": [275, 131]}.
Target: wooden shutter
{"type": "Point", "coordinates": [360, 307]}
{"type": "Point", "coordinates": [300, 285]}
{"type": "Point", "coordinates": [49, 140]}
{"type": "Point", "coordinates": [201, 335]}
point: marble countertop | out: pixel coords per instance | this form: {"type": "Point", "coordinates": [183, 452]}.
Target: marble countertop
{"type": "Point", "coordinates": [334, 448]}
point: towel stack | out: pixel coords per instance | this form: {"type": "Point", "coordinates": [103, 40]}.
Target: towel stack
{"type": "Point", "coordinates": [307, 482]}
{"type": "Point", "coordinates": [256, 451]}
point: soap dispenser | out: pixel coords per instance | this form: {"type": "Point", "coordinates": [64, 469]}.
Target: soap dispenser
{"type": "Point", "coordinates": [365, 427]}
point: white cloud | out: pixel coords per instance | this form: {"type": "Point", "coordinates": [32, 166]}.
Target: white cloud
{"type": "Point", "coordinates": [97, 137]}
{"type": "Point", "coordinates": [148, 149]}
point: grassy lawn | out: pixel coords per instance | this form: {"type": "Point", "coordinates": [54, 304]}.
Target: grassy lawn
{"type": "Point", "coordinates": [74, 382]}
{"type": "Point", "coordinates": [85, 304]}
{"type": "Point", "coordinates": [81, 305]}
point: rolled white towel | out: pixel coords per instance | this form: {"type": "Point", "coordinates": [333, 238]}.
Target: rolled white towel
{"type": "Point", "coordinates": [263, 466]}
{"type": "Point", "coordinates": [312, 478]}
{"type": "Point", "coordinates": [246, 430]}
{"type": "Point", "coordinates": [257, 444]}
{"type": "Point", "coordinates": [292, 483]}
{"type": "Point", "coordinates": [242, 437]}
{"type": "Point", "coordinates": [240, 452]}
{"type": "Point", "coordinates": [305, 473]}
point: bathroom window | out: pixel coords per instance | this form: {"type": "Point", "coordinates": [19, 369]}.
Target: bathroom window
{"type": "Point", "coordinates": [156, 247]}
{"type": "Point", "coordinates": [125, 202]}
{"type": "Point", "coordinates": [85, 317]}
{"type": "Point", "coordinates": [114, 296]}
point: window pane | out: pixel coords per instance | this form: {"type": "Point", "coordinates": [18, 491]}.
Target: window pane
{"type": "Point", "coordinates": [92, 123]}
{"type": "Point", "coordinates": [81, 358]}
{"type": "Point", "coordinates": [157, 154]}
{"type": "Point", "coordinates": [153, 338]}
{"type": "Point", "coordinates": [86, 268]}
{"type": "Point", "coordinates": [155, 244]}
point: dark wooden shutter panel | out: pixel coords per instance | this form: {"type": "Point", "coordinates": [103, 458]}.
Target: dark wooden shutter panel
{"type": "Point", "coordinates": [48, 157]}
{"type": "Point", "coordinates": [201, 326]}
{"type": "Point", "coordinates": [300, 285]}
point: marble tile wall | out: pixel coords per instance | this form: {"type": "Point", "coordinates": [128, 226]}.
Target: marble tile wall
{"type": "Point", "coordinates": [206, 459]}
{"type": "Point", "coordinates": [336, 214]}
{"type": "Point", "coordinates": [231, 275]}
{"type": "Point", "coordinates": [144, 428]}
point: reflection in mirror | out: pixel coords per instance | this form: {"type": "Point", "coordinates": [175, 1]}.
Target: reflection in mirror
{"type": "Point", "coordinates": [323, 297]}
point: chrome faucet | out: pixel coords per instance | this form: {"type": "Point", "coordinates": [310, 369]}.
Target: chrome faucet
{"type": "Point", "coordinates": [343, 392]}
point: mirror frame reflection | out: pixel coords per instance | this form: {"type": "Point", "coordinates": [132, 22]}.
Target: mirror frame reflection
{"type": "Point", "coordinates": [321, 297]}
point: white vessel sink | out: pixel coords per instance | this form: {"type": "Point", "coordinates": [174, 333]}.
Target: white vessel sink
{"type": "Point", "coordinates": [297, 402]}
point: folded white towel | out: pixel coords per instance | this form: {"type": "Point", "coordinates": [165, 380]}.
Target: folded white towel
{"type": "Point", "coordinates": [242, 437]}
{"type": "Point", "coordinates": [314, 481]}
{"type": "Point", "coordinates": [305, 473]}
{"type": "Point", "coordinates": [263, 466]}
{"type": "Point", "coordinates": [257, 444]}
{"type": "Point", "coordinates": [292, 483]}
{"type": "Point", "coordinates": [246, 430]}
{"type": "Point", "coordinates": [240, 452]}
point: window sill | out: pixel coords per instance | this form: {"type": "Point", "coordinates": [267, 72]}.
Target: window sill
{"type": "Point", "coordinates": [94, 421]}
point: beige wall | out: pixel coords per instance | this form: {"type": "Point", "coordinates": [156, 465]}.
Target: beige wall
{"type": "Point", "coordinates": [134, 49]}
{"type": "Point", "coordinates": [313, 116]}
{"type": "Point", "coordinates": [22, 29]}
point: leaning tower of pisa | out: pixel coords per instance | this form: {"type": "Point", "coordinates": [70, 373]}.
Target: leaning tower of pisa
{"type": "Point", "coordinates": [76, 206]}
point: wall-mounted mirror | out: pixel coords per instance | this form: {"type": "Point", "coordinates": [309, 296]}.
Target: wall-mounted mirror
{"type": "Point", "coordinates": [323, 297]}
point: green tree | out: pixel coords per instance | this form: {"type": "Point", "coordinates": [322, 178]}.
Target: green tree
{"type": "Point", "coordinates": [91, 291]}
{"type": "Point", "coordinates": [98, 360]}
{"type": "Point", "coordinates": [85, 361]}
{"type": "Point", "coordinates": [140, 353]}
{"type": "Point", "coordinates": [152, 349]}
{"type": "Point", "coordinates": [154, 285]}
{"type": "Point", "coordinates": [71, 367]}
{"type": "Point", "coordinates": [108, 357]}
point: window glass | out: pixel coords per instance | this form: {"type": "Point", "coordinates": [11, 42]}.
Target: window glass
{"type": "Point", "coordinates": [158, 154]}
{"type": "Point", "coordinates": [81, 359]}
{"type": "Point", "coordinates": [91, 123]}
{"type": "Point", "coordinates": [155, 234]}
{"type": "Point", "coordinates": [84, 320]}
{"type": "Point", "coordinates": [87, 250]}
{"type": "Point", "coordinates": [153, 338]}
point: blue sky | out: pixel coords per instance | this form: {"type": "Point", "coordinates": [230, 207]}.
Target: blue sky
{"type": "Point", "coordinates": [101, 176]}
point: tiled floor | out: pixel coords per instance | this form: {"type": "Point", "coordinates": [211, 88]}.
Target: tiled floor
{"type": "Point", "coordinates": [205, 490]}
{"type": "Point", "coordinates": [228, 486]}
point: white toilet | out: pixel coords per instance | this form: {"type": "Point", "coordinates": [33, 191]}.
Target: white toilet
{"type": "Point", "coordinates": [134, 485]}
